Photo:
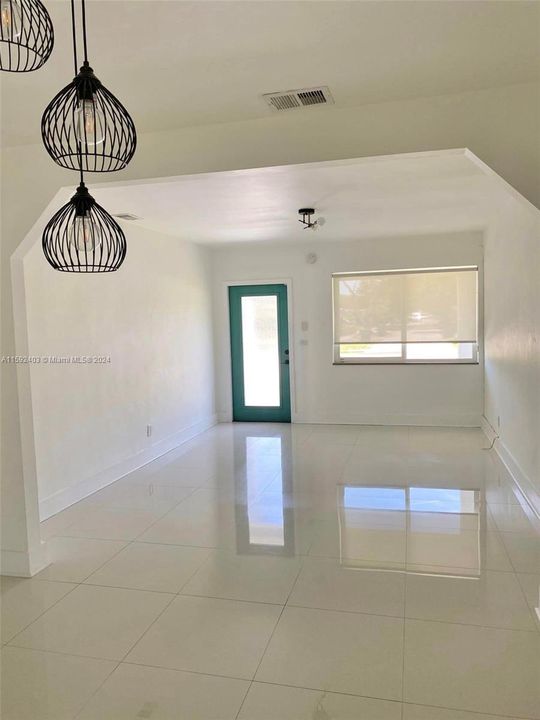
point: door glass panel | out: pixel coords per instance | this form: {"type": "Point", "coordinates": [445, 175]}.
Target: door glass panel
{"type": "Point", "coordinates": [260, 350]}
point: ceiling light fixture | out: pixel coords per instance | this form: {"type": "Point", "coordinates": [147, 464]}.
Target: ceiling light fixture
{"type": "Point", "coordinates": [85, 123]}
{"type": "Point", "coordinates": [306, 214]}
{"type": "Point", "coordinates": [26, 35]}
{"type": "Point", "coordinates": [82, 237]}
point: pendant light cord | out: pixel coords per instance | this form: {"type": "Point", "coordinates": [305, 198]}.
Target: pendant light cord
{"type": "Point", "coordinates": [74, 32]}
{"type": "Point", "coordinates": [83, 8]}
{"type": "Point", "coordinates": [83, 4]}
{"type": "Point", "coordinates": [73, 27]}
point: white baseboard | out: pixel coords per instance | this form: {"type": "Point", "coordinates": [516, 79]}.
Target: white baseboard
{"type": "Point", "coordinates": [472, 420]}
{"type": "Point", "coordinates": [24, 564]}
{"type": "Point", "coordinates": [489, 430]}
{"type": "Point", "coordinates": [467, 420]}
{"type": "Point", "coordinates": [68, 496]}
{"type": "Point", "coordinates": [519, 476]}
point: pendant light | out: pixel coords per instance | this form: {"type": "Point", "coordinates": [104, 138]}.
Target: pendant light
{"type": "Point", "coordinates": [82, 237]}
{"type": "Point", "coordinates": [86, 119]}
{"type": "Point", "coordinates": [26, 35]}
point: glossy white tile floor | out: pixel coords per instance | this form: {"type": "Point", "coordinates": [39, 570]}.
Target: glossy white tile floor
{"type": "Point", "coordinates": [284, 572]}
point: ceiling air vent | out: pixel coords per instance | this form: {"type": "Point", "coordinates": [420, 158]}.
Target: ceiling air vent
{"type": "Point", "coordinates": [292, 99]}
{"type": "Point", "coordinates": [127, 216]}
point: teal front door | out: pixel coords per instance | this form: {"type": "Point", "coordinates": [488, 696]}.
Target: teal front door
{"type": "Point", "coordinates": [260, 353]}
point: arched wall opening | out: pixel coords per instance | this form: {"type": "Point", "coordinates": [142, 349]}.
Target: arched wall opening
{"type": "Point", "coordinates": [176, 280]}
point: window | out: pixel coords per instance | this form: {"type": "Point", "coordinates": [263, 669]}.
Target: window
{"type": "Point", "coordinates": [406, 316]}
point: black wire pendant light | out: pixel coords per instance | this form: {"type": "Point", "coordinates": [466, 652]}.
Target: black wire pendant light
{"type": "Point", "coordinates": [83, 237]}
{"type": "Point", "coordinates": [26, 35]}
{"type": "Point", "coordinates": [85, 120]}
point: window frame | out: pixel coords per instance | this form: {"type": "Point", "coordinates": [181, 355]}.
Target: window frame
{"type": "Point", "coordinates": [402, 359]}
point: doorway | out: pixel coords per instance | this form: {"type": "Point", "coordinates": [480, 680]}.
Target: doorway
{"type": "Point", "coordinates": [260, 353]}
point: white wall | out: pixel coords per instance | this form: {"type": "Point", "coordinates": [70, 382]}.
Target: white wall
{"type": "Point", "coordinates": [512, 338]}
{"type": "Point", "coordinates": [153, 319]}
{"type": "Point", "coordinates": [396, 394]}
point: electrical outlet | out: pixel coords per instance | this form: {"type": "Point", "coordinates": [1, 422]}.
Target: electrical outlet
{"type": "Point", "coordinates": [148, 431]}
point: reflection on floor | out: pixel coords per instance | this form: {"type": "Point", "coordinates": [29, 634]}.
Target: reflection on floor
{"type": "Point", "coordinates": [286, 572]}
{"type": "Point", "coordinates": [436, 531]}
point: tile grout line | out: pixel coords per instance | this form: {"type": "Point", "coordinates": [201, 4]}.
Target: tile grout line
{"type": "Point", "coordinates": [500, 537]}
{"type": "Point", "coordinates": [268, 682]}
{"type": "Point", "coordinates": [269, 640]}
{"type": "Point", "coordinates": [135, 643]}
{"type": "Point", "coordinates": [135, 540]}
{"type": "Point", "coordinates": [329, 692]}
{"type": "Point", "coordinates": [118, 507]}
{"type": "Point", "coordinates": [175, 595]}
{"type": "Point", "coordinates": [89, 699]}
{"type": "Point", "coordinates": [164, 515]}
{"type": "Point", "coordinates": [303, 555]}
{"type": "Point", "coordinates": [63, 653]}
{"type": "Point", "coordinates": [250, 683]}
{"type": "Point", "coordinates": [83, 583]}
{"type": "Point", "coordinates": [473, 713]}
{"type": "Point", "coordinates": [124, 656]}
{"type": "Point", "coordinates": [404, 618]}
{"type": "Point", "coordinates": [278, 604]}
{"type": "Point", "coordinates": [75, 585]}
{"type": "Point", "coordinates": [532, 612]}
{"type": "Point", "coordinates": [180, 594]}
{"type": "Point", "coordinates": [127, 544]}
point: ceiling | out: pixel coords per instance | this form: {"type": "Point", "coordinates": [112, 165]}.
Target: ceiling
{"type": "Point", "coordinates": [179, 63]}
{"type": "Point", "coordinates": [367, 197]}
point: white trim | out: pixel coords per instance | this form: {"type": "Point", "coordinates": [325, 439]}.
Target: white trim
{"type": "Point", "coordinates": [518, 475]}
{"type": "Point", "coordinates": [489, 430]}
{"type": "Point", "coordinates": [520, 478]}
{"type": "Point", "coordinates": [467, 420]}
{"type": "Point", "coordinates": [24, 564]}
{"type": "Point", "coordinates": [34, 558]}
{"type": "Point", "coordinates": [68, 496]}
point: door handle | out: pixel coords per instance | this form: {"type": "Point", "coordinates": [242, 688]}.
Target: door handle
{"type": "Point", "coordinates": [286, 361]}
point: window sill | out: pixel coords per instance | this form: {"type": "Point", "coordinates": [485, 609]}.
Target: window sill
{"type": "Point", "coordinates": [342, 363]}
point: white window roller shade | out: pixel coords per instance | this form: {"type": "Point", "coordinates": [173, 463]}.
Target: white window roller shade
{"type": "Point", "coordinates": [406, 306]}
